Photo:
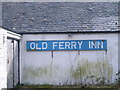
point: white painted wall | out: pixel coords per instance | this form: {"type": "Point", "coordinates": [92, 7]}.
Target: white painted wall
{"type": "Point", "coordinates": [3, 58]}
{"type": "Point", "coordinates": [4, 34]}
{"type": "Point", "coordinates": [39, 67]}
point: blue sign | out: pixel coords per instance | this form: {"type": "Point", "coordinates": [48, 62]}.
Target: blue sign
{"type": "Point", "coordinates": [66, 45]}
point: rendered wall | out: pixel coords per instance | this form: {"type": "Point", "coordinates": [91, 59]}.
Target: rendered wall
{"type": "Point", "coordinates": [4, 70]}
{"type": "Point", "coordinates": [70, 67]}
{"type": "Point", "coordinates": [3, 58]}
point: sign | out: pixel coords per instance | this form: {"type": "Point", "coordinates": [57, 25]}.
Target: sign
{"type": "Point", "coordinates": [66, 45]}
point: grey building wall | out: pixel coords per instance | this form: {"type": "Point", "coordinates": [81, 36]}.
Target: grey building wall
{"type": "Point", "coordinates": [70, 67]}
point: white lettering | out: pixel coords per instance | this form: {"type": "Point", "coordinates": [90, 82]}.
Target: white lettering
{"type": "Point", "coordinates": [92, 44]}
{"type": "Point", "coordinates": [54, 44]}
{"type": "Point", "coordinates": [32, 45]}
{"type": "Point", "coordinates": [67, 45]}
{"type": "Point", "coordinates": [44, 45]}
{"type": "Point", "coordinates": [37, 47]}
{"type": "Point", "coordinates": [100, 45]}
{"type": "Point", "coordinates": [73, 45]}
{"type": "Point", "coordinates": [95, 44]}
{"type": "Point", "coordinates": [80, 44]}
{"type": "Point", "coordinates": [61, 46]}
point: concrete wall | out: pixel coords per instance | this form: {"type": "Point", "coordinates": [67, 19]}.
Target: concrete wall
{"type": "Point", "coordinates": [69, 67]}
{"type": "Point", "coordinates": [4, 34]}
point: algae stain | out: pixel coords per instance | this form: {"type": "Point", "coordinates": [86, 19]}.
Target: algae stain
{"type": "Point", "coordinates": [39, 72]}
{"type": "Point", "coordinates": [83, 69]}
{"type": "Point", "coordinates": [30, 72]}
{"type": "Point", "coordinates": [80, 70]}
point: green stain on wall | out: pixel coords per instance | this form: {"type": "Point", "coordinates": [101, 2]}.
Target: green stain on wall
{"type": "Point", "coordinates": [93, 71]}
{"type": "Point", "coordinates": [79, 72]}
{"type": "Point", "coordinates": [38, 72]}
{"type": "Point", "coordinates": [99, 71]}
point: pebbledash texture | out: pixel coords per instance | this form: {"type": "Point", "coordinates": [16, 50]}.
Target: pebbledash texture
{"type": "Point", "coordinates": [52, 36]}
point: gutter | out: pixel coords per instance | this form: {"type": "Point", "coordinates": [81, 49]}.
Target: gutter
{"type": "Point", "coordinates": [69, 32]}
